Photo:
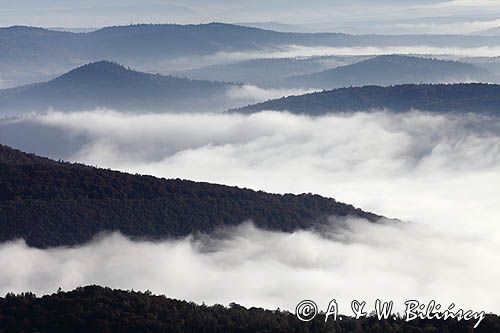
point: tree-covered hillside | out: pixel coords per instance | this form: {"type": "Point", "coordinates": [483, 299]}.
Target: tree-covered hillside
{"type": "Point", "coordinates": [97, 309]}
{"type": "Point", "coordinates": [109, 85]}
{"type": "Point", "coordinates": [472, 97]}
{"type": "Point", "coordinates": [52, 203]}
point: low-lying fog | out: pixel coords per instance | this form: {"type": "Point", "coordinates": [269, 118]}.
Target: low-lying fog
{"type": "Point", "coordinates": [292, 51]}
{"type": "Point", "coordinates": [440, 172]}
{"type": "Point", "coordinates": [172, 66]}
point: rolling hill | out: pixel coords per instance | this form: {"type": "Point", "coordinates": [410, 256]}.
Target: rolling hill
{"type": "Point", "coordinates": [109, 85]}
{"type": "Point", "coordinates": [51, 203]}
{"type": "Point", "coordinates": [391, 70]}
{"type": "Point", "coordinates": [472, 97]}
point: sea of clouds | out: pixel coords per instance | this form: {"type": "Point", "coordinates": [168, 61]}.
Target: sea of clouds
{"type": "Point", "coordinates": [440, 172]}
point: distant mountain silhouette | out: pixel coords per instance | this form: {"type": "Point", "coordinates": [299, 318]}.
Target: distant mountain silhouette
{"type": "Point", "coordinates": [268, 72]}
{"type": "Point", "coordinates": [473, 97]}
{"type": "Point", "coordinates": [390, 70]}
{"type": "Point", "coordinates": [28, 53]}
{"type": "Point", "coordinates": [51, 203]}
{"type": "Point", "coordinates": [153, 40]}
{"type": "Point", "coordinates": [109, 85]}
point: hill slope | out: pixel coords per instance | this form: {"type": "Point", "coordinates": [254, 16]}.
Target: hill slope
{"type": "Point", "coordinates": [51, 204]}
{"type": "Point", "coordinates": [98, 309]}
{"type": "Point", "coordinates": [109, 85]}
{"type": "Point", "coordinates": [473, 97]}
{"type": "Point", "coordinates": [390, 70]}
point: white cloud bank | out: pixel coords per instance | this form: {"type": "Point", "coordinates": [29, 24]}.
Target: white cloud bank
{"type": "Point", "coordinates": [418, 166]}
{"type": "Point", "coordinates": [294, 51]}
{"type": "Point", "coordinates": [298, 51]}
{"type": "Point", "coordinates": [249, 94]}
{"type": "Point", "coordinates": [271, 269]}
{"type": "Point", "coordinates": [440, 171]}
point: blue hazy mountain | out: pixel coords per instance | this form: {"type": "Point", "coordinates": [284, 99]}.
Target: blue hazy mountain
{"type": "Point", "coordinates": [28, 53]}
{"type": "Point", "coordinates": [328, 72]}
{"type": "Point", "coordinates": [473, 97]}
{"type": "Point", "coordinates": [109, 85]}
{"type": "Point", "coordinates": [265, 72]}
{"type": "Point", "coordinates": [491, 64]}
{"type": "Point", "coordinates": [391, 70]}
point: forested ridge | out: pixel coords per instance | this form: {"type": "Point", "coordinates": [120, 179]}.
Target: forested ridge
{"type": "Point", "coordinates": [97, 309]}
{"type": "Point", "coordinates": [107, 84]}
{"type": "Point", "coordinates": [51, 203]}
{"type": "Point", "coordinates": [471, 97]}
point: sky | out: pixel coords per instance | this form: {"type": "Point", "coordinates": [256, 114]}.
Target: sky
{"type": "Point", "coordinates": [384, 16]}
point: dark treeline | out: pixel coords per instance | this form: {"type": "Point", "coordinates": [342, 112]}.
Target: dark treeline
{"type": "Point", "coordinates": [97, 309]}
{"type": "Point", "coordinates": [473, 97]}
{"type": "Point", "coordinates": [51, 203]}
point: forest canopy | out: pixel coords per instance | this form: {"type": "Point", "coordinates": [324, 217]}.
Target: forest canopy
{"type": "Point", "coordinates": [49, 203]}
{"type": "Point", "coordinates": [97, 309]}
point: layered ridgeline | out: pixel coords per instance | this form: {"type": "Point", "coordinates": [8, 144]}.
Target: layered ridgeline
{"type": "Point", "coordinates": [153, 41]}
{"type": "Point", "coordinates": [109, 85]}
{"type": "Point", "coordinates": [51, 203]}
{"type": "Point", "coordinates": [32, 54]}
{"type": "Point", "coordinates": [472, 97]}
{"type": "Point", "coordinates": [329, 72]}
{"type": "Point", "coordinates": [106, 84]}
{"type": "Point", "coordinates": [391, 70]}
{"type": "Point", "coordinates": [268, 72]}
{"type": "Point", "coordinates": [129, 311]}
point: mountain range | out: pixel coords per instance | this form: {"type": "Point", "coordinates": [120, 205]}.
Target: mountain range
{"type": "Point", "coordinates": [49, 203]}
{"type": "Point", "coordinates": [472, 97]}
{"type": "Point", "coordinates": [105, 84]}
{"type": "Point", "coordinates": [29, 54]}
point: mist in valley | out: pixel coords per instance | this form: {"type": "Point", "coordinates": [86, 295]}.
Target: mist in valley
{"type": "Point", "coordinates": [392, 109]}
{"type": "Point", "coordinates": [436, 172]}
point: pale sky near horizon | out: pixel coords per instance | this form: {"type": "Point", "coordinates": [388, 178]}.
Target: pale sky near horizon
{"type": "Point", "coordinates": [390, 16]}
